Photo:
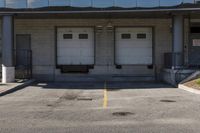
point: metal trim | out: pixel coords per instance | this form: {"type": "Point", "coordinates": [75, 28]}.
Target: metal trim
{"type": "Point", "coordinates": [100, 11]}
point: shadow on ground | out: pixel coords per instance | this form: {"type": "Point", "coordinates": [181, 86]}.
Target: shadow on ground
{"type": "Point", "coordinates": [111, 86]}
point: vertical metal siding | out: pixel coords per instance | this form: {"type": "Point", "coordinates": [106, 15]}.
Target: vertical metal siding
{"type": "Point", "coordinates": [16, 3]}
{"type": "Point", "coordinates": [59, 2]}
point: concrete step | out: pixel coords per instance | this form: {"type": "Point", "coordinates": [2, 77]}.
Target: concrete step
{"type": "Point", "coordinates": [95, 78]}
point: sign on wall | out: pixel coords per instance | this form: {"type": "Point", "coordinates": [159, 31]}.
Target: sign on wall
{"type": "Point", "coordinates": [196, 42]}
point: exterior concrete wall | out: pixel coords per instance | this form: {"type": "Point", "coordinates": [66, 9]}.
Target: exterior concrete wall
{"type": "Point", "coordinates": [43, 44]}
{"type": "Point", "coordinates": [0, 45]}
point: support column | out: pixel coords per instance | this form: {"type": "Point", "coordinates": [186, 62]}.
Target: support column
{"type": "Point", "coordinates": [177, 45]}
{"type": "Point", "coordinates": [8, 69]}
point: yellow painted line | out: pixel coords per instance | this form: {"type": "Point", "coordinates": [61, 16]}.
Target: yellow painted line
{"type": "Point", "coordinates": [105, 97]}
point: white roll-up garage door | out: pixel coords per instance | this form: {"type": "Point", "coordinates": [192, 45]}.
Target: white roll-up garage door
{"type": "Point", "coordinates": [133, 46]}
{"type": "Point", "coordinates": [75, 46]}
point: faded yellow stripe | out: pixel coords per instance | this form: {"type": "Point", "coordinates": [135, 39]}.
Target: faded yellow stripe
{"type": "Point", "coordinates": [105, 99]}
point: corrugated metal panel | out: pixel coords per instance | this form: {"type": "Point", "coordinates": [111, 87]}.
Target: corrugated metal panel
{"type": "Point", "coordinates": [81, 3]}
{"type": "Point", "coordinates": [16, 3]}
{"type": "Point", "coordinates": [170, 2]}
{"type": "Point", "coordinates": [125, 3]}
{"type": "Point", "coordinates": [188, 1]}
{"type": "Point", "coordinates": [2, 3]}
{"type": "Point", "coordinates": [59, 2]}
{"type": "Point", "coordinates": [148, 3]}
{"type": "Point", "coordinates": [37, 3]}
{"type": "Point", "coordinates": [94, 3]}
{"type": "Point", "coordinates": [103, 3]}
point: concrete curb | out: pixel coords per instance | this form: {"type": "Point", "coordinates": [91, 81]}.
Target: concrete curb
{"type": "Point", "coordinates": [16, 88]}
{"type": "Point", "coordinates": [189, 89]}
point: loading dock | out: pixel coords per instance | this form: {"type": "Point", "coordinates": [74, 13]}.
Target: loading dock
{"type": "Point", "coordinates": [75, 46]}
{"type": "Point", "coordinates": [75, 49]}
{"type": "Point", "coordinates": [133, 46]}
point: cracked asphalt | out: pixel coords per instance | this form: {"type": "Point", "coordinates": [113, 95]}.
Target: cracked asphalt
{"type": "Point", "coordinates": [78, 108]}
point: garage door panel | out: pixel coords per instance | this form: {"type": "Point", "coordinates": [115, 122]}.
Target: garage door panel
{"type": "Point", "coordinates": [89, 59]}
{"type": "Point", "coordinates": [136, 46]}
{"type": "Point", "coordinates": [83, 46]}
{"type": "Point", "coordinates": [135, 56]}
{"type": "Point", "coordinates": [66, 60]}
{"type": "Point", "coordinates": [86, 52]}
{"type": "Point", "coordinates": [69, 45]}
{"type": "Point", "coordinates": [71, 60]}
{"type": "Point", "coordinates": [125, 56]}
{"type": "Point", "coordinates": [135, 50]}
{"type": "Point", "coordinates": [68, 52]}
{"type": "Point", "coordinates": [137, 61]}
{"type": "Point", "coordinates": [76, 49]}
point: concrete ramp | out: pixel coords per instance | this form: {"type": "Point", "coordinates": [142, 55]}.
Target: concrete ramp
{"type": "Point", "coordinates": [191, 77]}
{"type": "Point", "coordinates": [174, 77]}
{"type": "Point", "coordinates": [94, 78]}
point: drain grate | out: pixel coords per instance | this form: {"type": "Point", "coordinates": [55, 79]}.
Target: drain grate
{"type": "Point", "coordinates": [167, 101]}
{"type": "Point", "coordinates": [122, 113]}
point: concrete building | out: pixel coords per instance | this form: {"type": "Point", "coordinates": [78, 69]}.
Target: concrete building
{"type": "Point", "coordinates": [91, 40]}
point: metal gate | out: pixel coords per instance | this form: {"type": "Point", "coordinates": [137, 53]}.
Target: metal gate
{"type": "Point", "coordinates": [23, 64]}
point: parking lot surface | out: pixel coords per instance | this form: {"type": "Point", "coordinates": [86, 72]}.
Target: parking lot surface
{"type": "Point", "coordinates": [101, 107]}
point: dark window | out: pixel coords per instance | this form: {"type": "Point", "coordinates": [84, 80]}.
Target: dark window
{"type": "Point", "coordinates": [67, 36]}
{"type": "Point", "coordinates": [125, 36]}
{"type": "Point", "coordinates": [195, 29]}
{"type": "Point", "coordinates": [141, 36]}
{"type": "Point", "coordinates": [83, 36]}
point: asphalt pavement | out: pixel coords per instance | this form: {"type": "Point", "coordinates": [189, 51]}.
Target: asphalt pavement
{"type": "Point", "coordinates": [111, 107]}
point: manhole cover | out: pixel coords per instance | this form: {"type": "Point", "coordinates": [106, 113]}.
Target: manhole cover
{"type": "Point", "coordinates": [167, 101]}
{"type": "Point", "coordinates": [122, 113]}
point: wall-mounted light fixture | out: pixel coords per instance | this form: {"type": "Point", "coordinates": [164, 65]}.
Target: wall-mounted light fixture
{"type": "Point", "coordinates": [109, 27]}
{"type": "Point", "coordinates": [171, 29]}
{"type": "Point", "coordinates": [99, 28]}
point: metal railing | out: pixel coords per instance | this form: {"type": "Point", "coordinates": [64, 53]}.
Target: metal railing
{"type": "Point", "coordinates": [93, 3]}
{"type": "Point", "coordinates": [173, 60]}
{"type": "Point", "coordinates": [23, 64]}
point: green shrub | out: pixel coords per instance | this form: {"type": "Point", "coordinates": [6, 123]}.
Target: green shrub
{"type": "Point", "coordinates": [198, 81]}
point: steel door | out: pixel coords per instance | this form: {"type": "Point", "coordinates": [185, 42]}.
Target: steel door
{"type": "Point", "coordinates": [23, 61]}
{"type": "Point", "coordinates": [194, 50]}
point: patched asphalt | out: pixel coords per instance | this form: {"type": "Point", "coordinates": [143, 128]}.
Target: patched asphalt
{"type": "Point", "coordinates": [78, 108]}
